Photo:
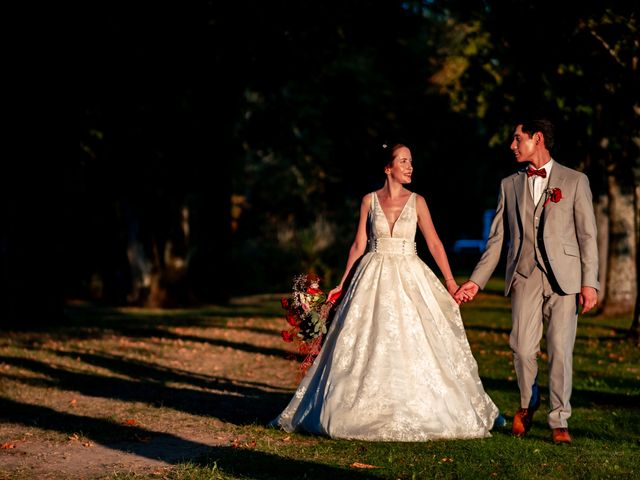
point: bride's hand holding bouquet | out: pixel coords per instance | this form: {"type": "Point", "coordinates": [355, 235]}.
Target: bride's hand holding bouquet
{"type": "Point", "coordinates": [308, 309]}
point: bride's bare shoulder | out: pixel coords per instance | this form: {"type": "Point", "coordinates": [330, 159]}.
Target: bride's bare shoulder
{"type": "Point", "coordinates": [367, 199]}
{"type": "Point", "coordinates": [421, 204]}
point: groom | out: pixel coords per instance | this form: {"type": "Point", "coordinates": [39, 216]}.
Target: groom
{"type": "Point", "coordinates": [552, 267]}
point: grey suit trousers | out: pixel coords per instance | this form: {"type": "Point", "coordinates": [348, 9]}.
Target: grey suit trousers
{"type": "Point", "coordinates": [534, 303]}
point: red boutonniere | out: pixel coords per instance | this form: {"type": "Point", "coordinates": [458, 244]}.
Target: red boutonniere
{"type": "Point", "coordinates": [554, 195]}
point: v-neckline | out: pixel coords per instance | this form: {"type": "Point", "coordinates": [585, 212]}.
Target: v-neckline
{"type": "Point", "coordinates": [389, 226]}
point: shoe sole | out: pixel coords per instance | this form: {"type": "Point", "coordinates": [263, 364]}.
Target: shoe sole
{"type": "Point", "coordinates": [562, 442]}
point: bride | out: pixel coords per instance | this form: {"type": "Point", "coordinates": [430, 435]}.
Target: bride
{"type": "Point", "coordinates": [396, 364]}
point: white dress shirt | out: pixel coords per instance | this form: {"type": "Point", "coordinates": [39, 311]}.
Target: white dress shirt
{"type": "Point", "coordinates": [537, 185]}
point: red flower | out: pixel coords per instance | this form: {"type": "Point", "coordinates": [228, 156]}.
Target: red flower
{"type": "Point", "coordinates": [292, 319]}
{"type": "Point", "coordinates": [554, 195]}
{"type": "Point", "coordinates": [287, 336]}
{"type": "Point", "coordinates": [313, 290]}
{"type": "Point", "coordinates": [284, 301]}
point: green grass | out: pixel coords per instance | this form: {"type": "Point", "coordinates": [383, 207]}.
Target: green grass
{"type": "Point", "coordinates": [221, 373]}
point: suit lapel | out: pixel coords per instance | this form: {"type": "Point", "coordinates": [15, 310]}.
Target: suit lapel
{"type": "Point", "coordinates": [520, 185]}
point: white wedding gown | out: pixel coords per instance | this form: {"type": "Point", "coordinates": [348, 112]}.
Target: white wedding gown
{"type": "Point", "coordinates": [396, 364]}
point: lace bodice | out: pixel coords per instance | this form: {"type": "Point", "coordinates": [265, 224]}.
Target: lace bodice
{"type": "Point", "coordinates": [405, 226]}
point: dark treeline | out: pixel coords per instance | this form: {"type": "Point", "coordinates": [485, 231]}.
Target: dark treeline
{"type": "Point", "coordinates": [225, 146]}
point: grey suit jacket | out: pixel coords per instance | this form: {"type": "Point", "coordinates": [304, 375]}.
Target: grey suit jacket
{"type": "Point", "coordinates": [568, 231]}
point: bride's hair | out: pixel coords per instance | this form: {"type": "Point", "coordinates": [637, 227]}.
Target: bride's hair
{"type": "Point", "coordinates": [389, 153]}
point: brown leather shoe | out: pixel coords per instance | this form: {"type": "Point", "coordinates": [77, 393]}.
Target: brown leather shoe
{"type": "Point", "coordinates": [522, 421]}
{"type": "Point", "coordinates": [561, 435]}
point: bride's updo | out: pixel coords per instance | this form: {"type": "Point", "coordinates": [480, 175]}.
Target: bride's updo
{"type": "Point", "coordinates": [389, 153]}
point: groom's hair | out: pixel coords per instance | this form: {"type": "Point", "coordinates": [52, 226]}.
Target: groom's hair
{"type": "Point", "coordinates": [542, 125]}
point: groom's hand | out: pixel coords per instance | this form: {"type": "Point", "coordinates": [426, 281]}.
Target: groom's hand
{"type": "Point", "coordinates": [467, 291]}
{"type": "Point", "coordinates": [588, 298]}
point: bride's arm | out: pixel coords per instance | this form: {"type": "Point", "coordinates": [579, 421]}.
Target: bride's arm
{"type": "Point", "coordinates": [359, 243]}
{"type": "Point", "coordinates": [434, 243]}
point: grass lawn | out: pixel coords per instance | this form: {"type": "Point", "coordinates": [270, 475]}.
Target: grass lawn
{"type": "Point", "coordinates": [186, 394]}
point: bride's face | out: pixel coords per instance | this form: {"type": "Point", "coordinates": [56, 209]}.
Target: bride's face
{"type": "Point", "coordinates": [401, 168]}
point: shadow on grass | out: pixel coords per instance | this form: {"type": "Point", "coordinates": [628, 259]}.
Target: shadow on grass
{"type": "Point", "coordinates": [231, 401]}
{"type": "Point", "coordinates": [94, 323]}
{"type": "Point", "coordinates": [206, 316]}
{"type": "Point", "coordinates": [488, 329]}
{"type": "Point", "coordinates": [598, 398]}
{"type": "Point", "coordinates": [88, 321]}
{"type": "Point", "coordinates": [580, 397]}
{"type": "Point", "coordinates": [246, 463]}
{"type": "Point", "coordinates": [133, 439]}
{"type": "Point", "coordinates": [166, 447]}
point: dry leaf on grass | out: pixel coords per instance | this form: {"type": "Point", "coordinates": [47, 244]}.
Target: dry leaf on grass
{"type": "Point", "coordinates": [362, 465]}
{"type": "Point", "coordinates": [130, 421]}
{"type": "Point", "coordinates": [236, 443]}
{"type": "Point", "coordinates": [7, 445]}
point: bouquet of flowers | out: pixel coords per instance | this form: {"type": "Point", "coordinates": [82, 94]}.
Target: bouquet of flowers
{"type": "Point", "coordinates": [308, 310]}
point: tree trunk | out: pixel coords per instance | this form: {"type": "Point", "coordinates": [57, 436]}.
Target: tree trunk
{"type": "Point", "coordinates": [621, 264]}
{"type": "Point", "coordinates": [634, 331]}
{"type": "Point", "coordinates": [601, 207]}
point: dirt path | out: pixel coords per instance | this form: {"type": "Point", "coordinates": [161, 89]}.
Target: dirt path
{"type": "Point", "coordinates": [33, 459]}
{"type": "Point", "coordinates": [132, 391]}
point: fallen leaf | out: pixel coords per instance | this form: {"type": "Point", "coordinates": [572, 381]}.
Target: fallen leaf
{"type": "Point", "coordinates": [74, 437]}
{"type": "Point", "coordinates": [87, 444]}
{"type": "Point", "coordinates": [7, 445]}
{"type": "Point", "coordinates": [130, 421]}
{"type": "Point", "coordinates": [73, 402]}
{"type": "Point", "coordinates": [362, 465]}
{"type": "Point", "coordinates": [286, 439]}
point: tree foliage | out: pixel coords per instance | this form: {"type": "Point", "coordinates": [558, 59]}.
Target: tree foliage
{"type": "Point", "coordinates": [577, 66]}
{"type": "Point", "coordinates": [225, 146]}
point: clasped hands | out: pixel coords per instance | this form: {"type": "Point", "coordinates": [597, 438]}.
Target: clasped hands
{"type": "Point", "coordinates": [467, 292]}
{"type": "Point", "coordinates": [588, 296]}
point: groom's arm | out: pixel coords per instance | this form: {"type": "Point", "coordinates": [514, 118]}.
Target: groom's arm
{"type": "Point", "coordinates": [586, 232]}
{"type": "Point", "coordinates": [491, 256]}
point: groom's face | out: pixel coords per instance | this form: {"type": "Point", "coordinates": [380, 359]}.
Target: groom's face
{"type": "Point", "coordinates": [522, 146]}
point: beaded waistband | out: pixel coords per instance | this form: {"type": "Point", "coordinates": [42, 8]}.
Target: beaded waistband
{"type": "Point", "coordinates": [392, 246]}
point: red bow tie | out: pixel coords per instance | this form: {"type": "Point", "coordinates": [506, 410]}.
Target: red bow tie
{"type": "Point", "coordinates": [532, 171]}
